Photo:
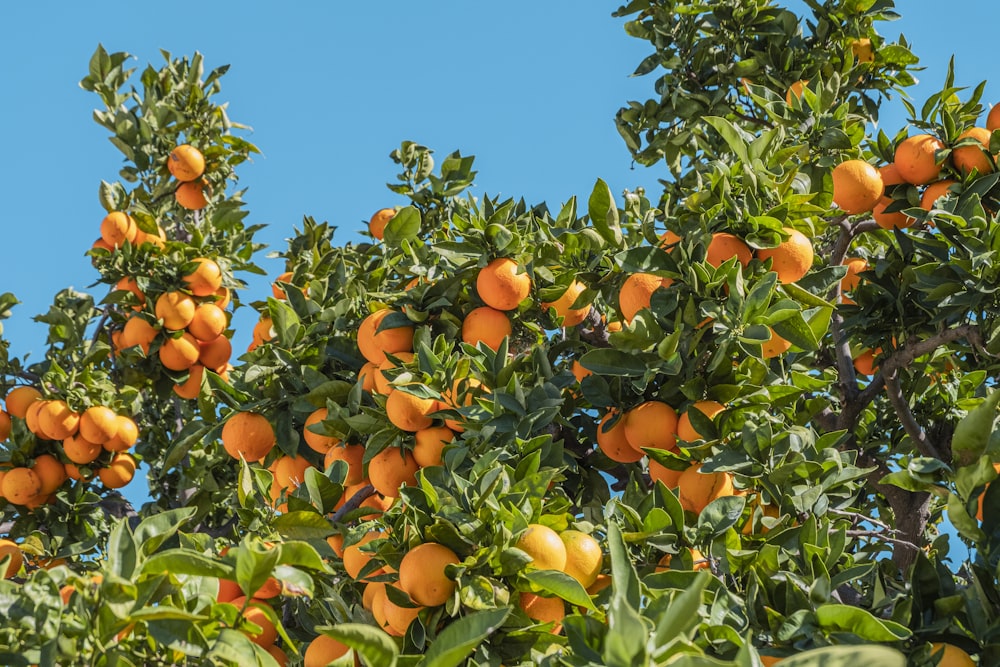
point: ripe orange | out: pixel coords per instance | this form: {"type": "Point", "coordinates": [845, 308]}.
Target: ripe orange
{"type": "Point", "coordinates": [543, 610]}
{"type": "Point", "coordinates": [397, 618]}
{"type": "Point", "coordinates": [578, 371]}
{"type": "Point", "coordinates": [190, 389]}
{"type": "Point", "coordinates": [249, 435]}
{"type": "Point", "coordinates": [583, 556]}
{"type": "Point", "coordinates": [191, 195]}
{"type": "Point", "coordinates": [21, 486]}
{"type": "Point", "coordinates": [98, 424]}
{"type": "Point", "coordinates": [255, 613]}
{"type": "Point", "coordinates": [698, 561]}
{"type": "Point", "coordinates": [795, 90]}
{"type": "Point", "coordinates": [5, 425]}
{"type": "Point", "coordinates": [725, 246]}
{"type": "Point", "coordinates": [9, 548]}
{"type": "Point", "coordinates": [138, 332]}
{"type": "Point", "coordinates": [186, 163]}
{"type": "Point", "coordinates": [951, 655]}
{"type": "Point", "coordinates": [865, 364]}
{"type": "Point", "coordinates": [862, 50]}
{"type": "Point", "coordinates": [651, 424]}
{"type": "Point", "coordinates": [206, 279]}
{"type": "Point", "coordinates": [421, 574]}
{"type": "Point", "coordinates": [890, 175]}
{"type": "Point", "coordinates": [290, 471]}
{"type": "Point", "coordinates": [81, 451]}
{"type": "Point", "coordinates": [354, 558]}
{"type": "Point", "coordinates": [569, 316]}
{"type": "Point", "coordinates": [993, 118]}
{"type": "Point", "coordinates": [792, 258]}
{"type": "Point", "coordinates": [51, 473]}
{"type": "Point", "coordinates": [99, 242]}
{"type": "Point", "coordinates": [175, 309]}
{"type": "Point", "coordinates": [915, 159]}
{"type": "Point", "coordinates": [933, 192]}
{"type": "Point", "coordinates": [208, 323]}
{"type": "Point", "coordinates": [215, 353]}
{"type": "Point", "coordinates": [222, 297]}
{"type": "Point", "coordinates": [129, 284]}
{"type": "Point", "coordinates": [463, 393]}
{"type": "Point", "coordinates": [381, 217]}
{"type": "Point", "coordinates": [20, 398]}
{"type": "Point", "coordinates": [685, 431]}
{"type": "Point", "coordinates": [119, 472]}
{"type": "Point", "coordinates": [366, 375]}
{"type": "Point", "coordinates": [322, 651]}
{"type": "Point", "coordinates": [430, 443]}
{"type": "Point", "coordinates": [967, 158]}
{"type": "Point", "coordinates": [637, 292]}
{"type": "Point", "coordinates": [855, 266]}
{"type": "Point", "coordinates": [318, 442]}
{"type": "Point", "coordinates": [382, 383]}
{"type": "Point", "coordinates": [390, 469]}
{"type": "Point", "coordinates": [279, 656]}
{"type": "Point", "coordinates": [614, 443]}
{"type": "Point", "coordinates": [487, 325]}
{"type": "Point", "coordinates": [126, 435]}
{"type": "Point", "coordinates": [542, 543]}
{"type": "Point", "coordinates": [180, 353]}
{"type": "Point", "coordinates": [353, 456]}
{"type": "Point", "coordinates": [117, 228]}
{"type": "Point", "coordinates": [500, 285]}
{"type": "Point", "coordinates": [31, 418]}
{"type": "Point", "coordinates": [774, 347]}
{"type": "Point", "coordinates": [857, 186]}
{"type": "Point", "coordinates": [661, 473]}
{"type": "Point", "coordinates": [894, 220]}
{"type": "Point", "coordinates": [57, 420]}
{"type": "Point", "coordinates": [697, 490]}
{"type": "Point", "coordinates": [373, 343]}
{"type": "Point", "coordinates": [408, 412]}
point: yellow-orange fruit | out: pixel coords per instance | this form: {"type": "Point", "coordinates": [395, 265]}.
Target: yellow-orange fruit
{"type": "Point", "coordinates": [279, 656]}
{"type": "Point", "coordinates": [975, 157]}
{"type": "Point", "coordinates": [637, 292]}
{"type": "Point", "coordinates": [890, 175]}
{"type": "Point", "coordinates": [126, 435]}
{"type": "Point", "coordinates": [382, 383]}
{"type": "Point", "coordinates": [318, 442]}
{"type": "Point", "coordinates": [191, 195]}
{"type": "Point", "coordinates": [208, 323]}
{"type": "Point", "coordinates": [180, 353]}
{"type": "Point", "coordinates": [98, 424]}
{"type": "Point", "coordinates": [190, 389]}
{"type": "Point", "coordinates": [128, 284]}
{"type": "Point", "coordinates": [20, 398]}
{"type": "Point", "coordinates": [725, 246]}
{"type": "Point", "coordinates": [138, 332]}
{"type": "Point", "coordinates": [354, 558]}
{"type": "Point", "coordinates": [205, 279]}
{"type": "Point", "coordinates": [687, 432]}
{"type": "Point", "coordinates": [543, 610]}
{"type": "Point", "coordinates": [378, 221]}
{"type": "Point", "coordinates": [215, 353]}
{"type": "Point", "coordinates": [862, 50]}
{"type": "Point", "coordinates": [81, 451]}
{"type": "Point", "coordinates": [290, 471]}
{"type": "Point", "coordinates": [9, 548]}
{"type": "Point", "coordinates": [256, 614]}
{"type": "Point", "coordinates": [57, 420]}
{"type": "Point", "coordinates": [661, 473]}
{"type": "Point", "coordinates": [249, 435]}
{"type": "Point", "coordinates": [409, 412]}
{"type": "Point", "coordinates": [855, 266]}
{"type": "Point", "coordinates": [422, 576]}
{"type": "Point", "coordinates": [792, 258]}
{"type": "Point", "coordinates": [175, 310]}
{"type": "Point", "coordinates": [583, 556]}
{"type": "Point", "coordinates": [500, 285]}
{"type": "Point", "coordinates": [614, 444]}
{"type": "Point", "coordinates": [390, 469]}
{"type": "Point", "coordinates": [795, 90]}
{"type": "Point", "coordinates": [698, 561]}
{"type": "Point", "coordinates": [353, 456]}
{"type": "Point", "coordinates": [651, 424]}
{"type": "Point", "coordinates": [398, 618]}
{"type": "Point", "coordinates": [487, 325]}
{"type": "Point", "coordinates": [563, 305]}
{"type": "Point", "coordinates": [373, 343]}
{"type": "Point", "coordinates": [119, 472]}
{"type": "Point", "coordinates": [915, 160]}
{"type": "Point", "coordinates": [935, 191]}
{"type": "Point", "coordinates": [430, 443]}
{"type": "Point", "coordinates": [894, 220]}
{"type": "Point", "coordinates": [186, 163]}
{"type": "Point", "coordinates": [5, 425]}
{"type": "Point", "coordinates": [117, 228]}
{"type": "Point", "coordinates": [697, 490]}
{"type": "Point", "coordinates": [857, 186]}
{"type": "Point", "coordinates": [31, 418]}
{"type": "Point", "coordinates": [322, 651]}
{"type": "Point", "coordinates": [951, 655]}
{"type": "Point", "coordinates": [51, 473]}
{"type": "Point", "coordinates": [21, 486]}
{"type": "Point", "coordinates": [542, 543]}
{"type": "Point", "coordinates": [578, 371]}
{"type": "Point", "coordinates": [865, 364]}
{"type": "Point", "coordinates": [774, 346]}
{"type": "Point", "coordinates": [366, 375]}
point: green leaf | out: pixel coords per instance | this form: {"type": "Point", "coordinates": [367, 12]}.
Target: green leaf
{"type": "Point", "coordinates": [561, 585]}
{"type": "Point", "coordinates": [845, 618]}
{"type": "Point", "coordinates": [609, 361]}
{"type": "Point", "coordinates": [682, 614]}
{"type": "Point", "coordinates": [973, 431]}
{"type": "Point", "coordinates": [732, 135]}
{"type": "Point", "coordinates": [186, 561]}
{"type": "Point", "coordinates": [156, 529]}
{"type": "Point", "coordinates": [457, 641]}
{"type": "Point", "coordinates": [624, 580]}
{"type": "Point", "coordinates": [405, 225]}
{"type": "Point", "coordinates": [303, 526]}
{"type": "Point", "coordinates": [847, 656]}
{"type": "Point", "coordinates": [604, 213]}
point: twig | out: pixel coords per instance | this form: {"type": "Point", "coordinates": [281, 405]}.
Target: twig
{"type": "Point", "coordinates": [856, 518]}
{"type": "Point", "coordinates": [881, 536]}
{"type": "Point", "coordinates": [594, 331]}
{"type": "Point", "coordinates": [354, 502]}
{"type": "Point", "coordinates": [899, 403]}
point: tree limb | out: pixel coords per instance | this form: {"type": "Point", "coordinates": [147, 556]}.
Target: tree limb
{"type": "Point", "coordinates": [354, 502]}
{"type": "Point", "coordinates": [902, 407]}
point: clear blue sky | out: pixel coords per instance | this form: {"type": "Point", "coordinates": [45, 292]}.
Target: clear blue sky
{"type": "Point", "coordinates": [330, 88]}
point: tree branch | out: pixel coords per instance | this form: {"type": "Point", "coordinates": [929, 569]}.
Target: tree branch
{"type": "Point", "coordinates": [354, 502]}
{"type": "Point", "coordinates": [593, 330]}
{"type": "Point", "coordinates": [902, 407]}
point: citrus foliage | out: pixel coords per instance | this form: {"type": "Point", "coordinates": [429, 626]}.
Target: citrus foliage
{"type": "Point", "coordinates": [724, 427]}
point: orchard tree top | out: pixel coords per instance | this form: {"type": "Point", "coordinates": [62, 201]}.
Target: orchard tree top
{"type": "Point", "coordinates": [723, 426]}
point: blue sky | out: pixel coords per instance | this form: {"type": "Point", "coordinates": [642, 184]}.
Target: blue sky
{"type": "Point", "coordinates": [330, 88]}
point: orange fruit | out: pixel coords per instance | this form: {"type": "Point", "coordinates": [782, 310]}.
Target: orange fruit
{"type": "Point", "coordinates": [372, 589]}
{"type": "Point", "coordinates": [180, 353]}
{"type": "Point", "coordinates": [138, 332]}
{"type": "Point", "coordinates": [855, 266]}
{"type": "Point", "coordinates": [81, 451]}
{"type": "Point", "coordinates": [857, 186]}
{"type": "Point", "coordinates": [865, 364]}
{"type": "Point", "coordinates": [651, 424]}
{"type": "Point", "coordinates": [57, 420]}
{"type": "Point", "coordinates": [190, 389]}
{"type": "Point", "coordinates": [373, 343]}
{"type": "Point", "coordinates": [613, 443]}
{"type": "Point", "coordinates": [578, 371]}
{"type": "Point", "coordinates": [637, 292]}
{"type": "Point", "coordinates": [542, 543]}
{"type": "Point", "coordinates": [951, 655]}
{"type": "Point", "coordinates": [276, 291]}
{"type": "Point", "coordinates": [894, 220]}
{"type": "Point", "coordinates": [792, 258]}
{"type": "Point", "coordinates": [397, 618]}
{"type": "Point", "coordinates": [5, 425]}
{"type": "Point", "coordinates": [569, 316]}
{"type": "Point", "coordinates": [208, 323]}
{"type": "Point", "coordinates": [725, 246]}
{"type": "Point", "coordinates": [279, 656]}
{"type": "Point", "coordinates": [51, 473]}
{"type": "Point", "coordinates": [543, 610]}
{"type": "Point", "coordinates": [290, 471]}
{"type": "Point", "coordinates": [20, 398]}
{"type": "Point", "coordinates": [772, 511]}
{"type": "Point", "coordinates": [175, 309]}
{"type": "Point", "coordinates": [661, 473]}
{"type": "Point", "coordinates": [21, 486]}
{"type": "Point", "coordinates": [486, 325]}
{"type": "Point", "coordinates": [463, 393]}
{"type": "Point", "coordinates": [9, 548]}
{"type": "Point", "coordinates": [191, 195]}
{"type": "Point", "coordinates": [430, 443]}
{"type": "Point", "coordinates": [126, 435]}
{"type": "Point", "coordinates": [31, 418]}
{"type": "Point", "coordinates": [255, 613]}
{"type": "Point", "coordinates": [775, 346]}
{"type": "Point", "coordinates": [228, 591]}
{"type": "Point", "coordinates": [381, 217]}
{"type": "Point", "coordinates": [128, 284]}
{"type": "Point", "coordinates": [977, 157]}
{"type": "Point", "coordinates": [698, 561]}
{"type": "Point", "coordinates": [890, 175]}
{"type": "Point", "coordinates": [119, 472]}
{"type": "Point", "coordinates": [500, 285]}
{"type": "Point", "coordinates": [98, 424]}
{"type": "Point", "coordinates": [697, 490]}
{"type": "Point", "coordinates": [390, 469]}
{"type": "Point", "coordinates": [915, 161]}
{"type": "Point", "coordinates": [382, 383]}
{"type": "Point", "coordinates": [862, 50]}
{"type": "Point", "coordinates": [99, 242]}
{"type": "Point", "coordinates": [583, 556]}
{"type": "Point", "coordinates": [322, 651]}
{"type": "Point", "coordinates": [318, 442]}
{"type": "Point", "coordinates": [685, 431]}
{"type": "Point", "coordinates": [366, 375]}
{"type": "Point", "coordinates": [117, 228]}
{"type": "Point", "coordinates": [353, 456]}
{"type": "Point", "coordinates": [249, 435]}
{"type": "Point", "coordinates": [993, 118]}
{"type": "Point", "coordinates": [422, 576]}
{"type": "Point", "coordinates": [186, 163]}
{"type": "Point", "coordinates": [215, 353]}
{"type": "Point", "coordinates": [935, 191]}
{"type": "Point", "coordinates": [222, 297]}
{"type": "Point", "coordinates": [205, 279]}
{"type": "Point", "coordinates": [409, 412]}
{"type": "Point", "coordinates": [795, 90]}
{"type": "Point", "coordinates": [354, 558]}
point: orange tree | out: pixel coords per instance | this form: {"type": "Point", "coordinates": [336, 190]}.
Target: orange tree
{"type": "Point", "coordinates": [722, 427]}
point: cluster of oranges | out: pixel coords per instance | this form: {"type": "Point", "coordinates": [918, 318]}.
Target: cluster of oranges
{"type": "Point", "coordinates": [118, 228]}
{"type": "Point", "coordinates": [96, 439]}
{"type": "Point", "coordinates": [187, 164]}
